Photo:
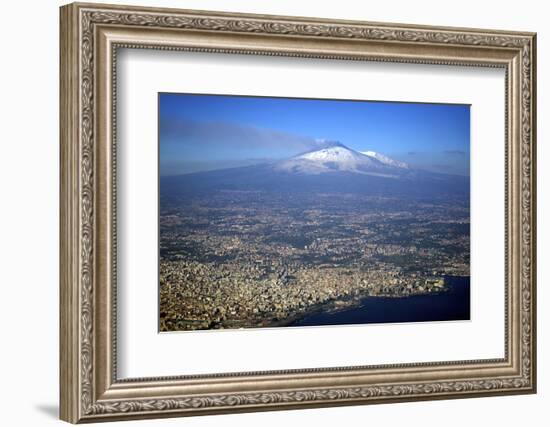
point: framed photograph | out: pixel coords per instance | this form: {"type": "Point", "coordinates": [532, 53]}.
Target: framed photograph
{"type": "Point", "coordinates": [266, 212]}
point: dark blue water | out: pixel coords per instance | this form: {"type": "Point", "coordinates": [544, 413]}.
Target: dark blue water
{"type": "Point", "coordinates": [451, 305]}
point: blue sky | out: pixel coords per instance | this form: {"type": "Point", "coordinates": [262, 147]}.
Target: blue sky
{"type": "Point", "coordinates": [206, 132]}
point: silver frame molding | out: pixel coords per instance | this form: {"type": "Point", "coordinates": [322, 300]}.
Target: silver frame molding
{"type": "Point", "coordinates": [90, 37]}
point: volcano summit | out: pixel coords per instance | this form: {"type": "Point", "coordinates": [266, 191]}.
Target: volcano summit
{"type": "Point", "coordinates": [336, 157]}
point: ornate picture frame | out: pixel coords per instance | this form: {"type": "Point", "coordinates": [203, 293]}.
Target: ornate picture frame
{"type": "Point", "coordinates": [90, 37]}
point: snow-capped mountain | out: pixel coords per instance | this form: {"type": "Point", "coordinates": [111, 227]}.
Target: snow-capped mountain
{"type": "Point", "coordinates": [385, 159]}
{"type": "Point", "coordinates": [330, 167]}
{"type": "Point", "coordinates": [336, 157]}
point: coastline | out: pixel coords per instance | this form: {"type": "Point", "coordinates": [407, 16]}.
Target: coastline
{"type": "Point", "coordinates": [342, 306]}
{"type": "Point", "coordinates": [363, 302]}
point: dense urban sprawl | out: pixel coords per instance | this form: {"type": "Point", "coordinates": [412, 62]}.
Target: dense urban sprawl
{"type": "Point", "coordinates": [249, 259]}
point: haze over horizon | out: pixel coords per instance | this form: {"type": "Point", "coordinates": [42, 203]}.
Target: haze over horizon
{"type": "Point", "coordinates": [210, 132]}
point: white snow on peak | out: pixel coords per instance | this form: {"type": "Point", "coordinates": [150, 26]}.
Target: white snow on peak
{"type": "Point", "coordinates": [335, 154]}
{"type": "Point", "coordinates": [335, 158]}
{"type": "Point", "coordinates": [385, 159]}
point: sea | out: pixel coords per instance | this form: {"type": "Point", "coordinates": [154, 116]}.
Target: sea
{"type": "Point", "coordinates": [454, 304]}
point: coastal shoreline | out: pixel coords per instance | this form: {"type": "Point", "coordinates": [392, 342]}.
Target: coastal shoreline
{"type": "Point", "coordinates": [456, 285]}
{"type": "Point", "coordinates": [343, 305]}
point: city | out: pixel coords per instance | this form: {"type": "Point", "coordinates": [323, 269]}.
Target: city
{"type": "Point", "coordinates": [241, 259]}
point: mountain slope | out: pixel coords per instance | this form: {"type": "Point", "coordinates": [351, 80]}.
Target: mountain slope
{"type": "Point", "coordinates": [385, 159]}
